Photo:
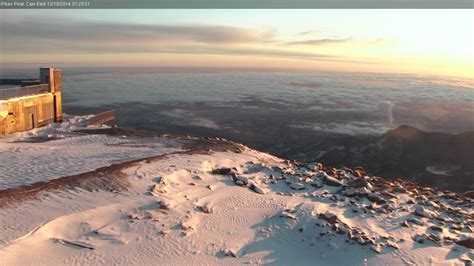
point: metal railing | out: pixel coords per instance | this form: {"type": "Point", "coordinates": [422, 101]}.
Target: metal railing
{"type": "Point", "coordinates": [16, 92]}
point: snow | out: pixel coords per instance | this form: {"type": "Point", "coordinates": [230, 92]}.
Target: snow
{"type": "Point", "coordinates": [438, 171]}
{"type": "Point", "coordinates": [176, 211]}
{"type": "Point", "coordinates": [24, 163]}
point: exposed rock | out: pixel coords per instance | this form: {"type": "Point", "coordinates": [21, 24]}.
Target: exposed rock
{"type": "Point", "coordinates": [331, 181]}
{"type": "Point", "coordinates": [377, 248]}
{"type": "Point", "coordinates": [420, 238]}
{"type": "Point", "coordinates": [241, 181]}
{"type": "Point", "coordinates": [288, 214]}
{"type": "Point", "coordinates": [185, 226]}
{"type": "Point", "coordinates": [297, 186]}
{"type": "Point", "coordinates": [466, 242]}
{"type": "Point", "coordinates": [350, 193]}
{"type": "Point", "coordinates": [221, 171]}
{"type": "Point", "coordinates": [331, 218]}
{"type": "Point", "coordinates": [376, 198]}
{"type": "Point", "coordinates": [320, 175]}
{"type": "Point", "coordinates": [256, 188]}
{"type": "Point", "coordinates": [416, 221]}
{"type": "Point", "coordinates": [400, 190]}
{"type": "Point", "coordinates": [196, 177]}
{"type": "Point", "coordinates": [157, 188]}
{"type": "Point", "coordinates": [389, 195]}
{"type": "Point", "coordinates": [436, 228]}
{"type": "Point", "coordinates": [358, 183]}
{"type": "Point", "coordinates": [457, 227]}
{"type": "Point", "coordinates": [362, 192]}
{"type": "Point", "coordinates": [205, 209]}
{"type": "Point", "coordinates": [434, 238]}
{"type": "Point", "coordinates": [164, 232]}
{"type": "Point", "coordinates": [229, 252]}
{"type": "Point", "coordinates": [391, 243]}
{"type": "Point", "coordinates": [318, 183]}
{"type": "Point", "coordinates": [359, 172]}
{"type": "Point", "coordinates": [340, 229]}
{"type": "Point", "coordinates": [410, 201]}
{"type": "Point", "coordinates": [360, 240]}
{"type": "Point", "coordinates": [164, 205]}
{"type": "Point", "coordinates": [469, 194]}
{"type": "Point", "coordinates": [423, 212]}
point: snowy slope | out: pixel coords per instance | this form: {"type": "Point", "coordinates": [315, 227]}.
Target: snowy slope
{"type": "Point", "coordinates": [233, 206]}
{"type": "Point", "coordinates": [26, 159]}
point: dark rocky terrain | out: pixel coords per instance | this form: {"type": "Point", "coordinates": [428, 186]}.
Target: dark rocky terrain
{"type": "Point", "coordinates": [407, 152]}
{"type": "Point", "coordinates": [404, 152]}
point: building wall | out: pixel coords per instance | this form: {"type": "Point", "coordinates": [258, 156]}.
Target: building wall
{"type": "Point", "coordinates": [25, 113]}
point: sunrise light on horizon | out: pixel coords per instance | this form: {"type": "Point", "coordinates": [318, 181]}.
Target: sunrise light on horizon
{"type": "Point", "coordinates": [432, 42]}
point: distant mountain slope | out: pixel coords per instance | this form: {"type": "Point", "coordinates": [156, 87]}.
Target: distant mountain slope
{"type": "Point", "coordinates": [430, 158]}
{"type": "Point", "coordinates": [415, 145]}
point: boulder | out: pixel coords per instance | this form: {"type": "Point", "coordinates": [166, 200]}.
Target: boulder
{"type": "Point", "coordinates": [340, 229]}
{"type": "Point", "coordinates": [157, 189]}
{"type": "Point", "coordinates": [297, 186]}
{"type": "Point", "coordinates": [221, 171]}
{"type": "Point", "coordinates": [164, 205]}
{"type": "Point", "coordinates": [205, 209]}
{"type": "Point", "coordinates": [377, 248]}
{"type": "Point", "coordinates": [362, 192]}
{"type": "Point", "coordinates": [358, 183]}
{"type": "Point", "coordinates": [376, 198]}
{"type": "Point", "coordinates": [423, 212]}
{"type": "Point", "coordinates": [330, 217]}
{"type": "Point", "coordinates": [436, 228]}
{"type": "Point", "coordinates": [420, 238]}
{"type": "Point", "coordinates": [361, 241]}
{"type": "Point", "coordinates": [359, 172]}
{"type": "Point", "coordinates": [331, 181]}
{"type": "Point", "coordinates": [256, 188]}
{"type": "Point", "coordinates": [241, 181]}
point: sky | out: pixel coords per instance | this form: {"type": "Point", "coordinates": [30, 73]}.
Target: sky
{"type": "Point", "coordinates": [421, 41]}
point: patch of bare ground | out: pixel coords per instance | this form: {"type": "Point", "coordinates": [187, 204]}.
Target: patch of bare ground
{"type": "Point", "coordinates": [111, 178]}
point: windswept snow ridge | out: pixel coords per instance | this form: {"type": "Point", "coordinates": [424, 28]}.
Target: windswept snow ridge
{"type": "Point", "coordinates": [238, 206]}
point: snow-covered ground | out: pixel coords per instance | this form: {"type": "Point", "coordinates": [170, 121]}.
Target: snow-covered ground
{"type": "Point", "coordinates": [226, 206]}
{"type": "Point", "coordinates": [25, 159]}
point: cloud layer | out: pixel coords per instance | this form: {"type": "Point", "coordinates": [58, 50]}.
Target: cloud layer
{"type": "Point", "coordinates": [314, 42]}
{"type": "Point", "coordinates": [20, 36]}
{"type": "Point", "coordinates": [97, 31]}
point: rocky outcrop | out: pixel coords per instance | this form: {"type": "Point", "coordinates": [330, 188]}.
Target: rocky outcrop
{"type": "Point", "coordinates": [466, 242]}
